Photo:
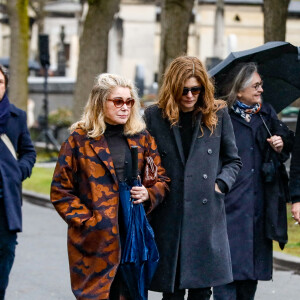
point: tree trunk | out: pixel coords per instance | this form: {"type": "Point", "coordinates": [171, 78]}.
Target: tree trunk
{"type": "Point", "coordinates": [175, 21]}
{"type": "Point", "coordinates": [275, 16]}
{"type": "Point", "coordinates": [219, 30]}
{"type": "Point", "coordinates": [93, 49]}
{"type": "Point", "coordinates": [18, 66]}
{"type": "Point", "coordinates": [38, 8]}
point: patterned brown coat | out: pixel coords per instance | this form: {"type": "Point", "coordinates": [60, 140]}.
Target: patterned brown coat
{"type": "Point", "coordinates": [84, 192]}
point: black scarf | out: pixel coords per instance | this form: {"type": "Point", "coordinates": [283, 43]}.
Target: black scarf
{"type": "Point", "coordinates": [4, 113]}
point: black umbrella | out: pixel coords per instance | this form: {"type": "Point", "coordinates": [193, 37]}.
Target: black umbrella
{"type": "Point", "coordinates": [32, 64]}
{"type": "Point", "coordinates": [279, 66]}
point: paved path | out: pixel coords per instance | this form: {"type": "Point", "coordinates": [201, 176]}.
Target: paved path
{"type": "Point", "coordinates": [41, 272]}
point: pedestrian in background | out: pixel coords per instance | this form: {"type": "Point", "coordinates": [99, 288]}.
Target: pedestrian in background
{"type": "Point", "coordinates": [16, 161]}
{"type": "Point", "coordinates": [85, 186]}
{"type": "Point", "coordinates": [256, 204]}
{"type": "Point", "coordinates": [295, 175]}
{"type": "Point", "coordinates": [195, 139]}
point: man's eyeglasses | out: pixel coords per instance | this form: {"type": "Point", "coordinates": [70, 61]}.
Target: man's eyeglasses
{"type": "Point", "coordinates": [196, 90]}
{"type": "Point", "coordinates": [257, 85]}
{"type": "Point", "coordinates": [119, 102]}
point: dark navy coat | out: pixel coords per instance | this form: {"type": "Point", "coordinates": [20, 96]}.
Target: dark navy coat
{"type": "Point", "coordinates": [13, 171]}
{"type": "Point", "coordinates": [251, 251]}
{"type": "Point", "coordinates": [190, 224]}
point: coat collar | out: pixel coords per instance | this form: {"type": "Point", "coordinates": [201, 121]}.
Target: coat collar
{"type": "Point", "coordinates": [14, 110]}
{"type": "Point", "coordinates": [178, 140]}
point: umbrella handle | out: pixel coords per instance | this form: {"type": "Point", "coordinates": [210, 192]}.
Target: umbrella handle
{"type": "Point", "coordinates": [266, 126]}
{"type": "Point", "coordinates": [135, 160]}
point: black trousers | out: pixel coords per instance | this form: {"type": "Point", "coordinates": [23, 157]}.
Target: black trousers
{"type": "Point", "coordinates": [236, 290]}
{"type": "Point", "coordinates": [119, 290]}
{"type": "Point", "coordinates": [193, 294]}
{"type": "Point", "coordinates": [8, 242]}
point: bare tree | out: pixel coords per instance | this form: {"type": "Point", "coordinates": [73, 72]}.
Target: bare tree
{"type": "Point", "coordinates": [38, 7]}
{"type": "Point", "coordinates": [175, 21]}
{"type": "Point", "coordinates": [275, 16]}
{"type": "Point", "coordinates": [93, 49]}
{"type": "Point", "coordinates": [19, 26]}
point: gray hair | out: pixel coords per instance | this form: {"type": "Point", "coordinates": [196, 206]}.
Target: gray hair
{"type": "Point", "coordinates": [241, 78]}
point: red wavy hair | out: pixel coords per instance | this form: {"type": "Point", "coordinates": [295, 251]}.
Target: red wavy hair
{"type": "Point", "coordinates": [178, 72]}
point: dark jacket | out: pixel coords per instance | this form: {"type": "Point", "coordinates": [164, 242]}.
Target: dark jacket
{"type": "Point", "coordinates": [251, 250]}
{"type": "Point", "coordinates": [190, 225]}
{"type": "Point", "coordinates": [13, 171]}
{"type": "Point", "coordinates": [295, 167]}
{"type": "Point", "coordinates": [84, 192]}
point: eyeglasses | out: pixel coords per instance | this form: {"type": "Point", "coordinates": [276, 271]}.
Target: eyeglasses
{"type": "Point", "coordinates": [257, 85]}
{"type": "Point", "coordinates": [119, 102]}
{"type": "Point", "coordinates": [196, 90]}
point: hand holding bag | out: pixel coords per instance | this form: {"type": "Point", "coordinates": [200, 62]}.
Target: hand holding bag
{"type": "Point", "coordinates": [150, 172]}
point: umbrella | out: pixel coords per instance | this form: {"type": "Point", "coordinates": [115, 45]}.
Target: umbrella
{"type": "Point", "coordinates": [32, 64]}
{"type": "Point", "coordinates": [279, 66]}
{"type": "Point", "coordinates": [139, 255]}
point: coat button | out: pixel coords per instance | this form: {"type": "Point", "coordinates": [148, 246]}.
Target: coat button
{"type": "Point", "coordinates": [252, 170]}
{"type": "Point", "coordinates": [205, 176]}
{"type": "Point", "coordinates": [209, 151]}
{"type": "Point", "coordinates": [204, 201]}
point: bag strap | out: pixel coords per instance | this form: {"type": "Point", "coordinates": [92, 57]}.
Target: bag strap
{"type": "Point", "coordinates": [9, 145]}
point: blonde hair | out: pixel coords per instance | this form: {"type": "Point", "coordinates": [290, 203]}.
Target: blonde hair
{"type": "Point", "coordinates": [92, 120]}
{"type": "Point", "coordinates": [178, 72]}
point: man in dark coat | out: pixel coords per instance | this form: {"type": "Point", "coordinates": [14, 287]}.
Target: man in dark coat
{"type": "Point", "coordinates": [295, 175]}
{"type": "Point", "coordinates": [16, 161]}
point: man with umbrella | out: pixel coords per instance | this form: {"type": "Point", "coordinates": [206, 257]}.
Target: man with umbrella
{"type": "Point", "coordinates": [255, 206]}
{"type": "Point", "coordinates": [295, 175]}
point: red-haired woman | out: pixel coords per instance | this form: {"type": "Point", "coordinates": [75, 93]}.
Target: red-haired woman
{"type": "Point", "coordinates": [195, 139]}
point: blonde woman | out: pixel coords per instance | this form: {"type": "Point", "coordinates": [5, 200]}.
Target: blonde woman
{"type": "Point", "coordinates": [84, 191]}
{"type": "Point", "coordinates": [196, 142]}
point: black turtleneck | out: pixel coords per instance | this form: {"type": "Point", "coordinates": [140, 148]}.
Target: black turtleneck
{"type": "Point", "coordinates": [186, 131]}
{"type": "Point", "coordinates": [117, 144]}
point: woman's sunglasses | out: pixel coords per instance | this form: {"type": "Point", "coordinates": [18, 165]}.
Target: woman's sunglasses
{"type": "Point", "coordinates": [196, 90]}
{"type": "Point", "coordinates": [119, 102]}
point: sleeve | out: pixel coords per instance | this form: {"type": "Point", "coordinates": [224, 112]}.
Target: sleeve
{"type": "Point", "coordinates": [158, 191]}
{"type": "Point", "coordinates": [280, 128]}
{"type": "Point", "coordinates": [25, 150]}
{"type": "Point", "coordinates": [63, 195]}
{"type": "Point", "coordinates": [229, 158]}
{"type": "Point", "coordinates": [295, 167]}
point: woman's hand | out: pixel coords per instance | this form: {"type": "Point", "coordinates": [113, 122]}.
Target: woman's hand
{"type": "Point", "coordinates": [296, 211]}
{"type": "Point", "coordinates": [276, 143]}
{"type": "Point", "coordinates": [217, 189]}
{"type": "Point", "coordinates": [140, 194]}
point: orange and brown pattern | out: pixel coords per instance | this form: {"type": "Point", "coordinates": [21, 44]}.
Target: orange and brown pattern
{"type": "Point", "coordinates": [84, 192]}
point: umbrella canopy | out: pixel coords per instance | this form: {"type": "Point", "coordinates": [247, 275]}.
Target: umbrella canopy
{"type": "Point", "coordinates": [139, 255]}
{"type": "Point", "coordinates": [279, 66]}
{"type": "Point", "coordinates": [32, 64]}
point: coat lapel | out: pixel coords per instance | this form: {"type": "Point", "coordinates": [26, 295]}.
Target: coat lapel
{"type": "Point", "coordinates": [177, 136]}
{"type": "Point", "coordinates": [100, 146]}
